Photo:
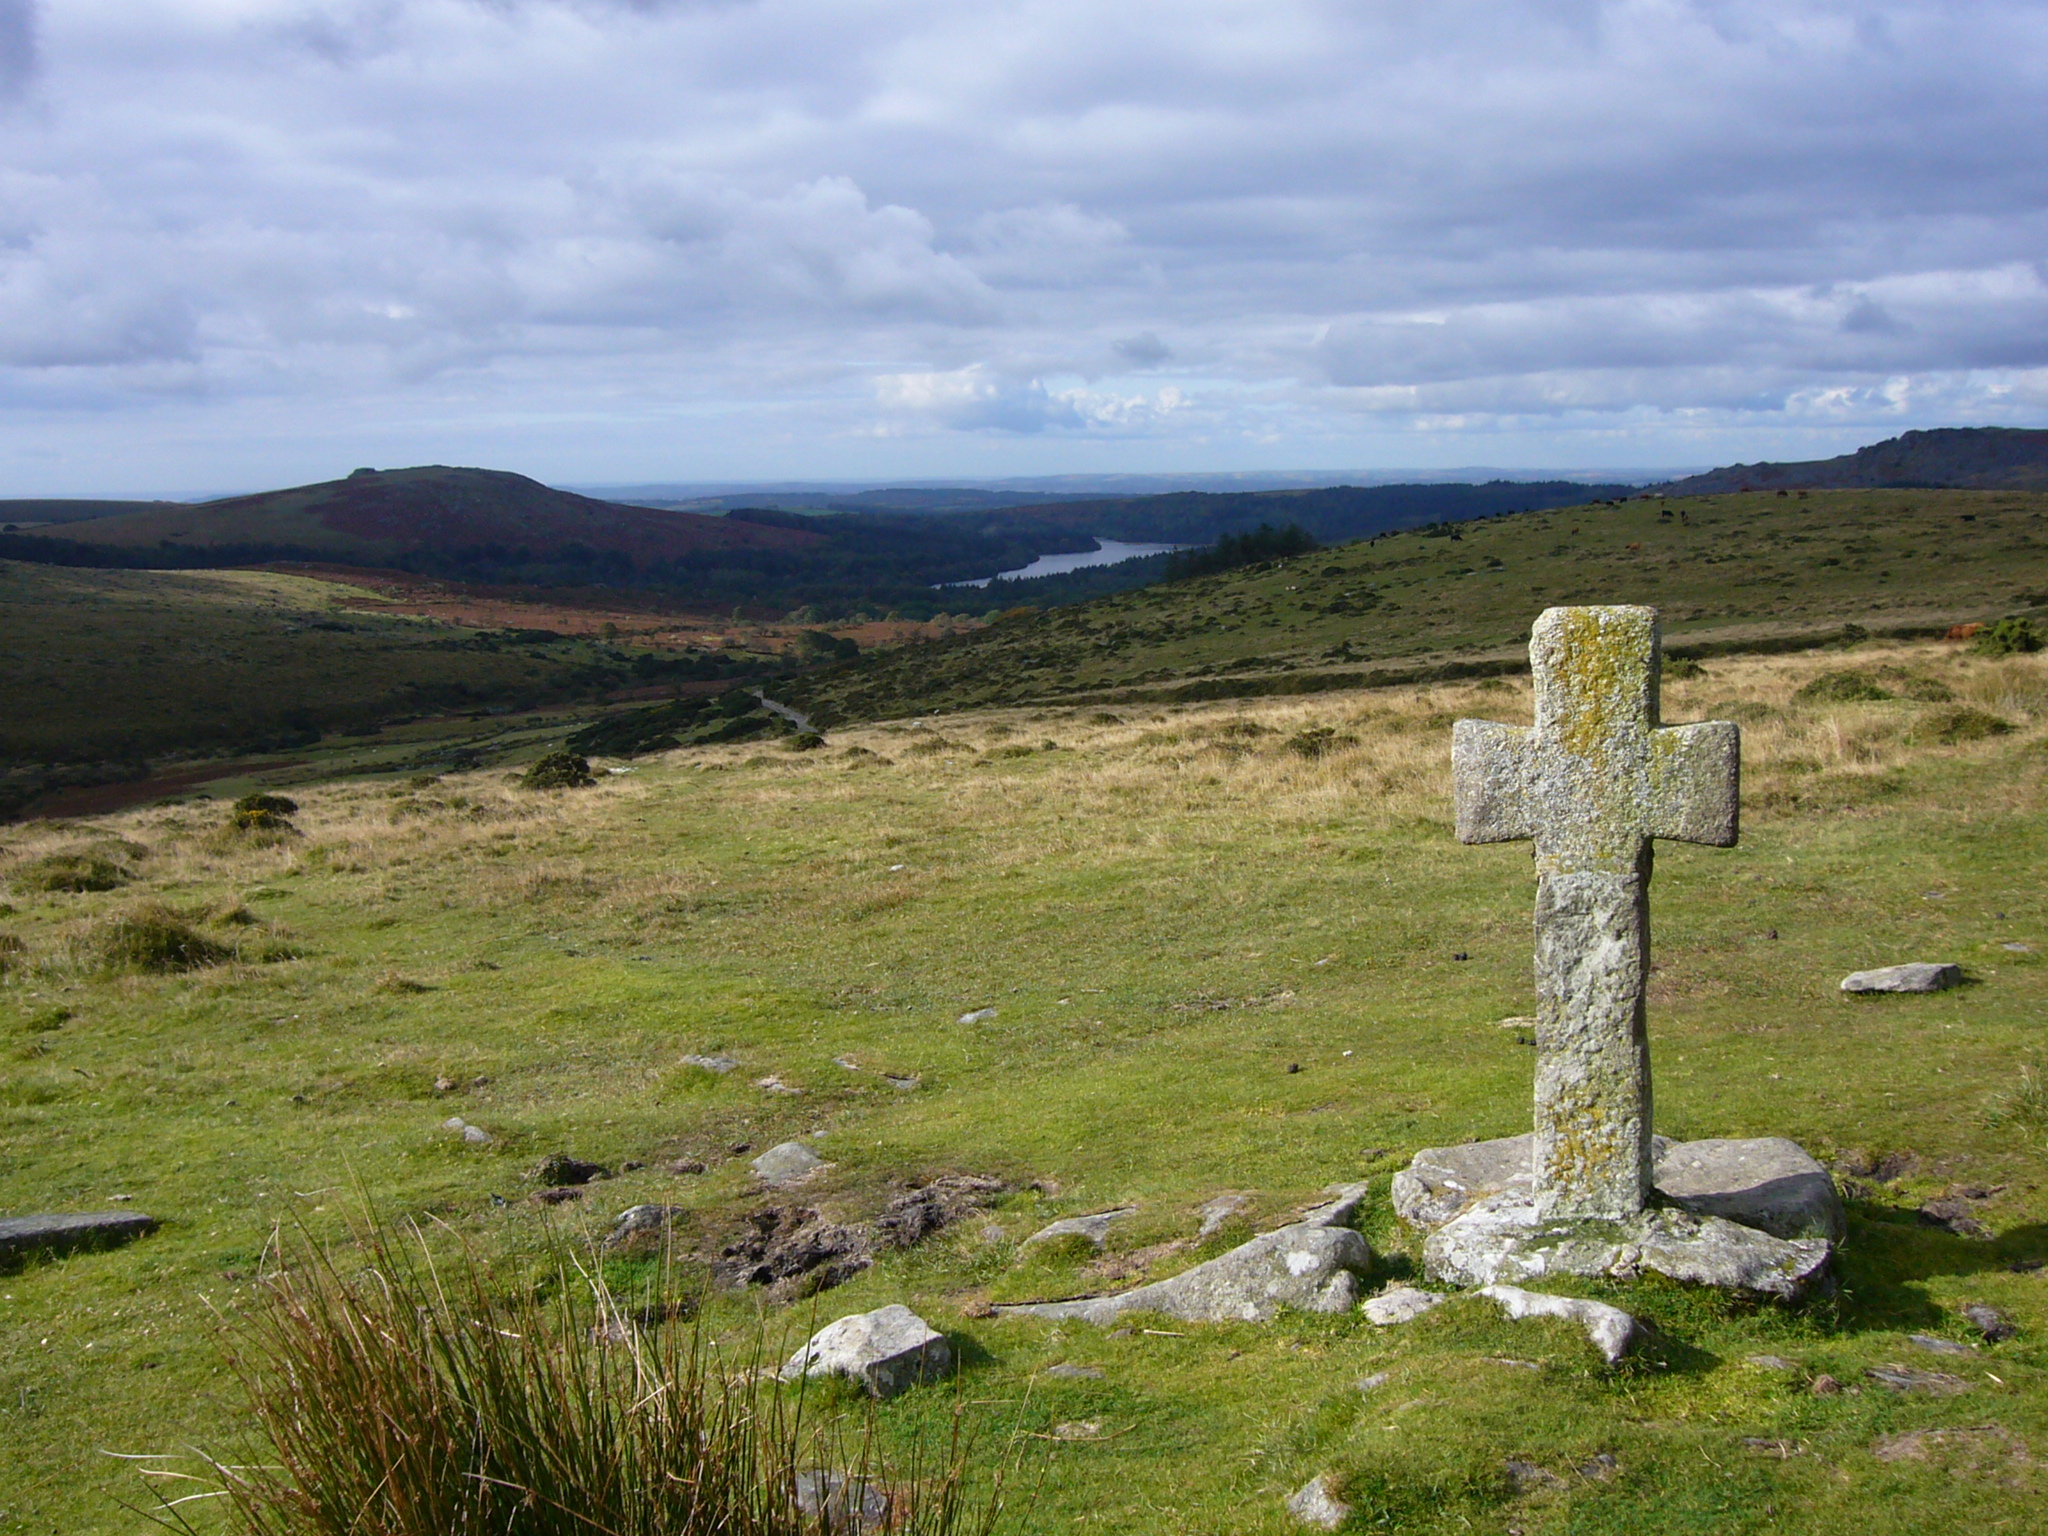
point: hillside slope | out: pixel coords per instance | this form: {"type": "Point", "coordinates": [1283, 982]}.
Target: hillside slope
{"type": "Point", "coordinates": [1736, 568]}
{"type": "Point", "coordinates": [1956, 458]}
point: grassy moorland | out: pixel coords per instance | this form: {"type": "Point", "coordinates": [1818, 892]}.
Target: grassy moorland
{"type": "Point", "coordinates": [1169, 909]}
{"type": "Point", "coordinates": [1725, 569]}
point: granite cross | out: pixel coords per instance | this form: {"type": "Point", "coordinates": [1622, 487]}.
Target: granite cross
{"type": "Point", "coordinates": [1593, 782]}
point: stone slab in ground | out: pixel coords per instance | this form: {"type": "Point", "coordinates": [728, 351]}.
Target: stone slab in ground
{"type": "Point", "coordinates": [1309, 1268]}
{"type": "Point", "coordinates": [69, 1232]}
{"type": "Point", "coordinates": [1764, 1182]}
{"type": "Point", "coordinates": [1917, 976]}
{"type": "Point", "coordinates": [1612, 1331]}
{"type": "Point", "coordinates": [888, 1351]}
{"type": "Point", "coordinates": [1504, 1241]}
{"type": "Point", "coordinates": [1095, 1227]}
{"type": "Point", "coordinates": [789, 1163]}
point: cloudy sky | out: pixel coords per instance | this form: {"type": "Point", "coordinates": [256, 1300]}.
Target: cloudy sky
{"type": "Point", "coordinates": [252, 242]}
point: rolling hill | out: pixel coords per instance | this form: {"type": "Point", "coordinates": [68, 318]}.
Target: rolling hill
{"type": "Point", "coordinates": [375, 516]}
{"type": "Point", "coordinates": [1955, 458]}
{"type": "Point", "coordinates": [1755, 571]}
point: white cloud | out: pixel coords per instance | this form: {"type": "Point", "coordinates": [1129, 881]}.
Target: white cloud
{"type": "Point", "coordinates": [1659, 227]}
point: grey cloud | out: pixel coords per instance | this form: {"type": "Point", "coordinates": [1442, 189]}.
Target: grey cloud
{"type": "Point", "coordinates": [17, 46]}
{"type": "Point", "coordinates": [850, 226]}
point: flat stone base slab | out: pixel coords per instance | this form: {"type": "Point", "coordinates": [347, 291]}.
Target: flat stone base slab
{"type": "Point", "coordinates": [1502, 1241]}
{"type": "Point", "coordinates": [1764, 1182]}
{"type": "Point", "coordinates": [21, 1236]}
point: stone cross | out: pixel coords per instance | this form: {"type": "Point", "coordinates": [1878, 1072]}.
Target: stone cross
{"type": "Point", "coordinates": [1593, 783]}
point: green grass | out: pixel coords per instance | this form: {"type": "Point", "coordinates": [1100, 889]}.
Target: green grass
{"type": "Point", "coordinates": [1726, 570]}
{"type": "Point", "coordinates": [1167, 909]}
{"type": "Point", "coordinates": [123, 665]}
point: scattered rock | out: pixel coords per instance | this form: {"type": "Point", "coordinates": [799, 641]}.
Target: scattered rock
{"type": "Point", "coordinates": [1314, 1269]}
{"type": "Point", "coordinates": [978, 1016]}
{"type": "Point", "coordinates": [1402, 1304]}
{"type": "Point", "coordinates": [444, 1085]}
{"type": "Point", "coordinates": [1773, 1363]}
{"type": "Point", "coordinates": [910, 1219]}
{"type": "Point", "coordinates": [1367, 1385]}
{"type": "Point", "coordinates": [685, 1165]}
{"type": "Point", "coordinates": [844, 1506]}
{"type": "Point", "coordinates": [1954, 1216]}
{"type": "Point", "coordinates": [630, 1166]}
{"type": "Point", "coordinates": [1935, 1345]}
{"type": "Point", "coordinates": [71, 1232]}
{"type": "Point", "coordinates": [559, 1195]}
{"type": "Point", "coordinates": [1978, 1443]}
{"type": "Point", "coordinates": [1989, 1321]}
{"type": "Point", "coordinates": [777, 1085]}
{"type": "Point", "coordinates": [1065, 1372]}
{"type": "Point", "coordinates": [795, 1252]}
{"type": "Point", "coordinates": [1600, 1468]}
{"type": "Point", "coordinates": [1612, 1331]}
{"type": "Point", "coordinates": [1516, 1021]}
{"type": "Point", "coordinates": [561, 1168]}
{"type": "Point", "coordinates": [1315, 1503]}
{"type": "Point", "coordinates": [1895, 1165]}
{"type": "Point", "coordinates": [1078, 1429]}
{"type": "Point", "coordinates": [1095, 1228]}
{"type": "Point", "coordinates": [1502, 1240]}
{"type": "Point", "coordinates": [719, 1064]}
{"type": "Point", "coordinates": [1216, 1212]}
{"type": "Point", "coordinates": [455, 1123]}
{"type": "Point", "coordinates": [1338, 1210]}
{"type": "Point", "coordinates": [847, 1062]}
{"type": "Point", "coordinates": [1824, 1385]}
{"type": "Point", "coordinates": [901, 1084]}
{"type": "Point", "coordinates": [641, 1228]}
{"type": "Point", "coordinates": [476, 1135]}
{"type": "Point", "coordinates": [1903, 1378]}
{"type": "Point", "coordinates": [1918, 976]}
{"type": "Point", "coordinates": [887, 1351]}
{"type": "Point", "coordinates": [789, 1163]}
{"type": "Point", "coordinates": [1527, 1477]}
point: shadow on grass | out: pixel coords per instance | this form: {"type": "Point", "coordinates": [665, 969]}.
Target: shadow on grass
{"type": "Point", "coordinates": [1891, 1254]}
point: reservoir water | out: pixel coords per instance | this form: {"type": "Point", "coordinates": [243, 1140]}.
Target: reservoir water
{"type": "Point", "coordinates": [1105, 552]}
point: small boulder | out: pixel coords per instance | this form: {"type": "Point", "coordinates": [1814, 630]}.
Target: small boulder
{"type": "Point", "coordinates": [846, 1506]}
{"type": "Point", "coordinates": [1095, 1227]}
{"type": "Point", "coordinates": [719, 1064]}
{"type": "Point", "coordinates": [1989, 1321]}
{"type": "Point", "coordinates": [1316, 1504]}
{"type": "Point", "coordinates": [789, 1163]}
{"type": "Point", "coordinates": [978, 1016]}
{"type": "Point", "coordinates": [1918, 976]}
{"type": "Point", "coordinates": [476, 1135]}
{"type": "Point", "coordinates": [887, 1351]}
{"type": "Point", "coordinates": [1215, 1213]}
{"type": "Point", "coordinates": [559, 1168]}
{"type": "Point", "coordinates": [1312, 1269]}
{"type": "Point", "coordinates": [21, 1236]}
{"type": "Point", "coordinates": [1612, 1331]}
{"type": "Point", "coordinates": [1402, 1304]}
{"type": "Point", "coordinates": [641, 1226]}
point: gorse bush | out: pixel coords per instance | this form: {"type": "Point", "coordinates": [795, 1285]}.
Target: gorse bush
{"type": "Point", "coordinates": [71, 872]}
{"type": "Point", "coordinates": [1847, 687]}
{"type": "Point", "coordinates": [559, 770]}
{"type": "Point", "coordinates": [2010, 637]}
{"type": "Point", "coordinates": [151, 938]}
{"type": "Point", "coordinates": [407, 1400]}
{"type": "Point", "coordinates": [275, 805]}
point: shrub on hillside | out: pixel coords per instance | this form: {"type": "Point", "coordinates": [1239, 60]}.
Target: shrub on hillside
{"type": "Point", "coordinates": [559, 770]}
{"type": "Point", "coordinates": [72, 872]}
{"type": "Point", "coordinates": [273, 805]}
{"type": "Point", "coordinates": [1318, 741]}
{"type": "Point", "coordinates": [152, 939]}
{"type": "Point", "coordinates": [1846, 687]}
{"type": "Point", "coordinates": [804, 741]}
{"type": "Point", "coordinates": [549, 1410]}
{"type": "Point", "coordinates": [2010, 637]}
{"type": "Point", "coordinates": [1953, 726]}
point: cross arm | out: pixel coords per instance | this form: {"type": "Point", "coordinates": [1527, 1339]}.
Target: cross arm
{"type": "Point", "coordinates": [1491, 769]}
{"type": "Point", "coordinates": [1696, 783]}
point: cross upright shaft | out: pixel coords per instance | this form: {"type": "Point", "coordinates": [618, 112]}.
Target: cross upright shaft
{"type": "Point", "coordinates": [1593, 783]}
